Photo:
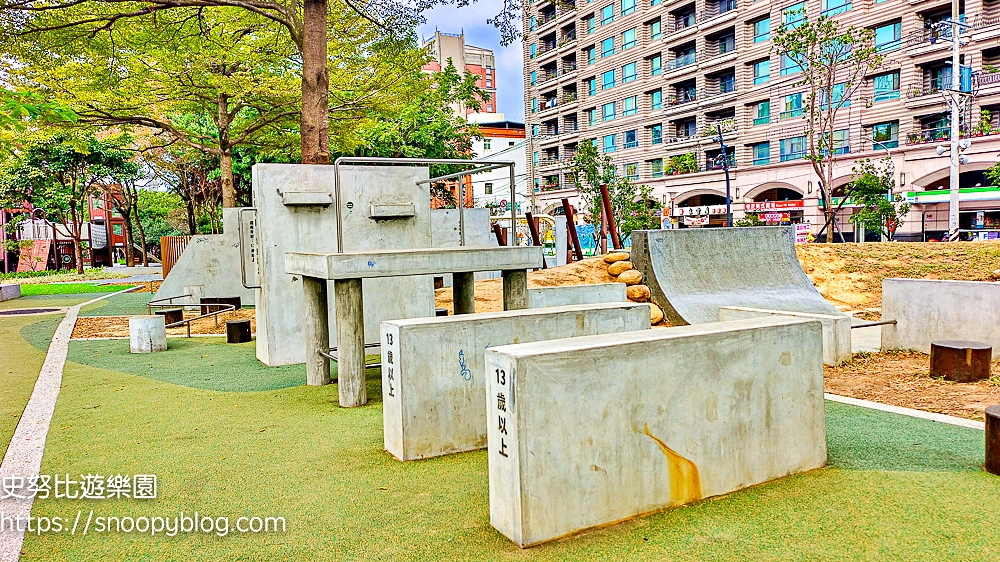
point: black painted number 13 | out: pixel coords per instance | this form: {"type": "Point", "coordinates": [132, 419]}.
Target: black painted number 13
{"type": "Point", "coordinates": [501, 376]}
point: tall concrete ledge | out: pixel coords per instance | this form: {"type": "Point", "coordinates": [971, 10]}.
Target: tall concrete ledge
{"type": "Point", "coordinates": [433, 369]}
{"type": "Point", "coordinates": [694, 272]}
{"type": "Point", "coordinates": [588, 431]}
{"type": "Point", "coordinates": [9, 292]}
{"type": "Point", "coordinates": [836, 329]}
{"type": "Point", "coordinates": [576, 294]}
{"type": "Point", "coordinates": [926, 310]}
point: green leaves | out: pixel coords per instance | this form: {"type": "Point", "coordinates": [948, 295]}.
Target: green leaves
{"type": "Point", "coordinates": [870, 189]}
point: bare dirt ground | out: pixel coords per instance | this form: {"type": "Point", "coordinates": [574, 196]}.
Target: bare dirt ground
{"type": "Point", "coordinates": [117, 326]}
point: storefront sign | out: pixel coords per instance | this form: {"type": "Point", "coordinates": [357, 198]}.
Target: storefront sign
{"type": "Point", "coordinates": [696, 221]}
{"type": "Point", "coordinates": [761, 206]}
{"type": "Point", "coordinates": [699, 210]}
{"type": "Point", "coordinates": [942, 195]}
{"type": "Point", "coordinates": [802, 233]}
{"type": "Point", "coordinates": [774, 217]}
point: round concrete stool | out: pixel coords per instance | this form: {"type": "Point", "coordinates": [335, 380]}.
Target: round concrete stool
{"type": "Point", "coordinates": [147, 334]}
{"type": "Point", "coordinates": [960, 361]}
{"type": "Point", "coordinates": [237, 331]}
{"type": "Point", "coordinates": [993, 440]}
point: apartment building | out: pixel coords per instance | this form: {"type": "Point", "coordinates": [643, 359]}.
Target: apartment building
{"type": "Point", "coordinates": [649, 80]}
{"type": "Point", "coordinates": [466, 58]}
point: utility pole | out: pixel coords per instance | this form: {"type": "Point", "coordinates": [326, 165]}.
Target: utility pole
{"type": "Point", "coordinates": [956, 86]}
{"type": "Point", "coordinates": [725, 167]}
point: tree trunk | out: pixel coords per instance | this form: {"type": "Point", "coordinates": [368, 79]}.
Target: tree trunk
{"type": "Point", "coordinates": [129, 239]}
{"type": "Point", "coordinates": [142, 232]}
{"type": "Point", "coordinates": [314, 125]}
{"type": "Point", "coordinates": [225, 154]}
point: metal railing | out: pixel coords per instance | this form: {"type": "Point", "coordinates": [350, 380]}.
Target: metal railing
{"type": "Point", "coordinates": [924, 136]}
{"type": "Point", "coordinates": [682, 98]}
{"type": "Point", "coordinates": [681, 61]}
{"type": "Point", "coordinates": [925, 88]}
{"type": "Point", "coordinates": [926, 36]}
{"type": "Point", "coordinates": [684, 22]}
{"type": "Point", "coordinates": [158, 303]}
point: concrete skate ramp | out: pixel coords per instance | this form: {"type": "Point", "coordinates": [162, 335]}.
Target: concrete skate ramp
{"type": "Point", "coordinates": [693, 272]}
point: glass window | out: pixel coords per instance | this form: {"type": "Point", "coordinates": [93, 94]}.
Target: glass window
{"type": "Point", "coordinates": [834, 7]}
{"type": "Point", "coordinates": [632, 171]}
{"type": "Point", "coordinates": [762, 71]}
{"type": "Point", "coordinates": [117, 229]}
{"type": "Point", "coordinates": [592, 116]}
{"type": "Point", "coordinates": [655, 30]}
{"type": "Point", "coordinates": [608, 47]}
{"type": "Point", "coordinates": [609, 143]}
{"type": "Point", "coordinates": [885, 135]}
{"type": "Point", "coordinates": [727, 83]}
{"type": "Point", "coordinates": [631, 139]}
{"type": "Point", "coordinates": [794, 15]}
{"type": "Point", "coordinates": [727, 43]}
{"type": "Point", "coordinates": [534, 105]}
{"type": "Point", "coordinates": [532, 50]}
{"type": "Point", "coordinates": [656, 167]}
{"type": "Point", "coordinates": [837, 98]}
{"type": "Point", "coordinates": [629, 72]}
{"type": "Point", "coordinates": [607, 14]}
{"type": "Point", "coordinates": [763, 113]}
{"type": "Point", "coordinates": [793, 106]}
{"type": "Point", "coordinates": [591, 86]}
{"type": "Point", "coordinates": [591, 23]}
{"type": "Point", "coordinates": [489, 188]}
{"type": "Point", "coordinates": [534, 158]}
{"type": "Point", "coordinates": [591, 54]}
{"type": "Point", "coordinates": [793, 149]}
{"type": "Point", "coordinates": [789, 65]}
{"type": "Point", "coordinates": [534, 78]}
{"type": "Point", "coordinates": [654, 2]}
{"type": "Point", "coordinates": [531, 23]}
{"type": "Point", "coordinates": [608, 80]}
{"type": "Point", "coordinates": [726, 6]}
{"type": "Point", "coordinates": [761, 30]}
{"type": "Point", "coordinates": [608, 111]}
{"type": "Point", "coordinates": [687, 128]}
{"type": "Point", "coordinates": [656, 99]}
{"type": "Point", "coordinates": [631, 106]}
{"type": "Point", "coordinates": [656, 134]}
{"type": "Point", "coordinates": [761, 154]}
{"type": "Point", "coordinates": [628, 7]}
{"type": "Point", "coordinates": [655, 66]}
{"type": "Point", "coordinates": [628, 39]}
{"type": "Point", "coordinates": [886, 86]}
{"type": "Point", "coordinates": [888, 37]}
{"type": "Point", "coordinates": [534, 130]}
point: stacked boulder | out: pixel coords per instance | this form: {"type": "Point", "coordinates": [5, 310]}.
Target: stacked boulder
{"type": "Point", "coordinates": [620, 268]}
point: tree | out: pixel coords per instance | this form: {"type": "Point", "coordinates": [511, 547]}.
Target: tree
{"type": "Point", "coordinates": [630, 204]}
{"type": "Point", "coordinates": [160, 213]}
{"type": "Point", "coordinates": [56, 175]}
{"type": "Point", "coordinates": [871, 188]}
{"type": "Point", "coordinates": [834, 61]}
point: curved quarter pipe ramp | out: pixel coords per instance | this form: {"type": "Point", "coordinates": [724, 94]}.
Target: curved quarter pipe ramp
{"type": "Point", "coordinates": [693, 272]}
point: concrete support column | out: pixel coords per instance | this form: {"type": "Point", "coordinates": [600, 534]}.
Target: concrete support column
{"type": "Point", "coordinates": [993, 440]}
{"type": "Point", "coordinates": [515, 289]}
{"type": "Point", "coordinates": [317, 331]}
{"type": "Point", "coordinates": [350, 342]}
{"type": "Point", "coordinates": [463, 290]}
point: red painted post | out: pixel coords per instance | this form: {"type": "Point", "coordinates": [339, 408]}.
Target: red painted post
{"type": "Point", "coordinates": [610, 223]}
{"type": "Point", "coordinates": [571, 226]}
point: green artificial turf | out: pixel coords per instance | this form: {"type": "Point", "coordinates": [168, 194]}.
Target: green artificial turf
{"type": "Point", "coordinates": [125, 304]}
{"type": "Point", "coordinates": [20, 362]}
{"type": "Point", "coordinates": [896, 488]}
{"type": "Point", "coordinates": [70, 288]}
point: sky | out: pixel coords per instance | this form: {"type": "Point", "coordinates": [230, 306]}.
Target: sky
{"type": "Point", "coordinates": [472, 20]}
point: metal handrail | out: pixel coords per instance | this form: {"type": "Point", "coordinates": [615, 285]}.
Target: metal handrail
{"type": "Point", "coordinates": [333, 357]}
{"type": "Point", "coordinates": [876, 323]}
{"type": "Point", "coordinates": [187, 321]}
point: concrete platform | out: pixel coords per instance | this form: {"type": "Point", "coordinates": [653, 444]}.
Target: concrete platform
{"type": "Point", "coordinates": [588, 431]}
{"type": "Point", "coordinates": [9, 291]}
{"type": "Point", "coordinates": [836, 329]}
{"type": "Point", "coordinates": [576, 294]}
{"type": "Point", "coordinates": [399, 263]}
{"type": "Point", "coordinates": [433, 386]}
{"type": "Point", "coordinates": [693, 272]}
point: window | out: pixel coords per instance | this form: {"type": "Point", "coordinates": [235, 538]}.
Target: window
{"type": "Point", "coordinates": [533, 50]}
{"type": "Point", "coordinates": [534, 105]}
{"type": "Point", "coordinates": [510, 143]}
{"type": "Point", "coordinates": [655, 66]}
{"type": "Point", "coordinates": [655, 30]}
{"type": "Point", "coordinates": [686, 19]}
{"type": "Point", "coordinates": [794, 15]}
{"type": "Point", "coordinates": [609, 143]}
{"type": "Point", "coordinates": [608, 80]}
{"type": "Point", "coordinates": [631, 106]}
{"type": "Point", "coordinates": [762, 71]}
{"type": "Point", "coordinates": [886, 86]}
{"type": "Point", "coordinates": [628, 39]}
{"type": "Point", "coordinates": [486, 144]}
{"type": "Point", "coordinates": [489, 188]}
{"type": "Point", "coordinates": [684, 57]}
{"type": "Point", "coordinates": [534, 130]}
{"type": "Point", "coordinates": [534, 78]}
{"type": "Point", "coordinates": [727, 43]}
{"type": "Point", "coordinates": [761, 30]}
{"type": "Point", "coordinates": [656, 100]}
{"type": "Point", "coordinates": [534, 158]}
{"type": "Point", "coordinates": [628, 7]}
{"type": "Point", "coordinates": [591, 86]}
{"type": "Point", "coordinates": [726, 6]}
{"type": "Point", "coordinates": [839, 145]}
{"type": "Point", "coordinates": [607, 47]}
{"type": "Point", "coordinates": [591, 53]}
{"type": "Point", "coordinates": [591, 23]}
{"type": "Point", "coordinates": [607, 14]}
{"type": "Point", "coordinates": [489, 83]}
{"type": "Point", "coordinates": [837, 98]}
{"type": "Point", "coordinates": [592, 116]}
{"type": "Point", "coordinates": [631, 139]}
{"type": "Point", "coordinates": [608, 111]}
{"type": "Point", "coordinates": [656, 134]}
{"type": "Point", "coordinates": [656, 168]}
{"type": "Point", "coordinates": [762, 154]}
{"type": "Point", "coordinates": [762, 113]}
{"type": "Point", "coordinates": [654, 2]}
{"type": "Point", "coordinates": [885, 135]}
{"type": "Point", "coordinates": [793, 106]}
{"type": "Point", "coordinates": [632, 171]}
{"type": "Point", "coordinates": [793, 149]}
{"type": "Point", "coordinates": [116, 229]}
{"type": "Point", "coordinates": [531, 23]}
{"type": "Point", "coordinates": [489, 108]}
{"type": "Point", "coordinates": [727, 83]}
{"type": "Point", "coordinates": [835, 7]}
{"type": "Point", "coordinates": [687, 128]}
{"type": "Point", "coordinates": [888, 37]}
{"type": "Point", "coordinates": [789, 65]}
{"type": "Point", "coordinates": [629, 72]}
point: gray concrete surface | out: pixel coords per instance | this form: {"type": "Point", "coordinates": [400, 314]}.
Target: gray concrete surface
{"type": "Point", "coordinates": [211, 262]}
{"type": "Point", "coordinates": [9, 291]}
{"type": "Point", "coordinates": [433, 369]}
{"type": "Point", "coordinates": [926, 310]}
{"type": "Point", "coordinates": [867, 339]}
{"type": "Point", "coordinates": [403, 263]}
{"type": "Point", "coordinates": [576, 294]}
{"type": "Point", "coordinates": [153, 269]}
{"type": "Point", "coordinates": [693, 272]}
{"type": "Point", "coordinates": [836, 329]}
{"type": "Point", "coordinates": [147, 334]}
{"type": "Point", "coordinates": [592, 430]}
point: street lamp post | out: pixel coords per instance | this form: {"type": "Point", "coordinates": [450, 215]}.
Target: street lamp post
{"type": "Point", "coordinates": [725, 167]}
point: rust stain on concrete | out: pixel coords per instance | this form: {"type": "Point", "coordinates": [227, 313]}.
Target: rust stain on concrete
{"type": "Point", "coordinates": [685, 483]}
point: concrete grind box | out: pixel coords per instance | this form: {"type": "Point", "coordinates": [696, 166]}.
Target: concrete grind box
{"type": "Point", "coordinates": [433, 386]}
{"type": "Point", "coordinates": [588, 431]}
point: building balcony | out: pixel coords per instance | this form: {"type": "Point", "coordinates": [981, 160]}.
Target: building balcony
{"type": "Point", "coordinates": [718, 97]}
{"type": "Point", "coordinates": [925, 136]}
{"type": "Point", "coordinates": [922, 38]}
{"type": "Point", "coordinates": [987, 83]}
{"type": "Point", "coordinates": [924, 94]}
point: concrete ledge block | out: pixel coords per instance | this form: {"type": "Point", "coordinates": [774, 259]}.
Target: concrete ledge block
{"type": "Point", "coordinates": [591, 430]}
{"type": "Point", "coordinates": [433, 390]}
{"type": "Point", "coordinates": [9, 292]}
{"type": "Point", "coordinates": [147, 334]}
{"type": "Point", "coordinates": [576, 294]}
{"type": "Point", "coordinates": [836, 329]}
{"type": "Point", "coordinates": [927, 310]}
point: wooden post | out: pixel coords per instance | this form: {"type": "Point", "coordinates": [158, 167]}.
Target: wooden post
{"type": "Point", "coordinates": [604, 232]}
{"type": "Point", "coordinates": [993, 440]}
{"type": "Point", "coordinates": [463, 291]}
{"type": "Point", "coordinates": [317, 325]}
{"type": "Point", "coordinates": [571, 226]}
{"type": "Point", "coordinates": [515, 289]}
{"type": "Point", "coordinates": [350, 342]}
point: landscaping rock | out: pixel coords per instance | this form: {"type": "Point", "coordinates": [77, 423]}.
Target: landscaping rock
{"type": "Point", "coordinates": [616, 256]}
{"type": "Point", "coordinates": [995, 276]}
{"type": "Point", "coordinates": [619, 267]}
{"type": "Point", "coordinates": [637, 293]}
{"type": "Point", "coordinates": [630, 277]}
{"type": "Point", "coordinates": [655, 314]}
